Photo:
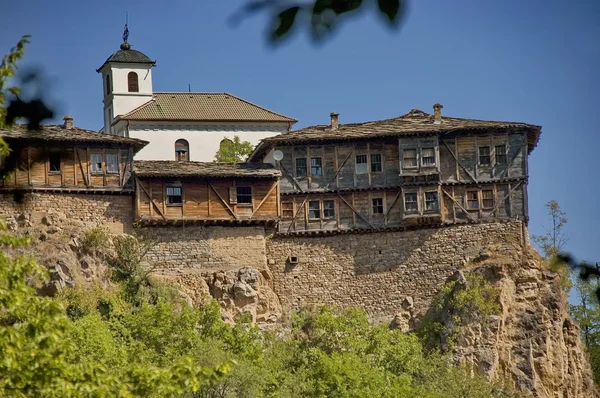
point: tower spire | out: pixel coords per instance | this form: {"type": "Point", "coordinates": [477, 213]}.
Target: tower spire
{"type": "Point", "coordinates": [125, 45]}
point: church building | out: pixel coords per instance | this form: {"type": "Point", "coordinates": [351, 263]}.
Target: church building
{"type": "Point", "coordinates": [178, 125]}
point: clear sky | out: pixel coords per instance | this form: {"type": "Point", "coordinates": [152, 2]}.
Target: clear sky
{"type": "Point", "coordinates": [514, 60]}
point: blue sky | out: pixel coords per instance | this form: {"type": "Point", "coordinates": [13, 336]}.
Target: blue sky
{"type": "Point", "coordinates": [515, 60]}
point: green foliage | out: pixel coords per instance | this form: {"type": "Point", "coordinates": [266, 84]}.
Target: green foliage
{"type": "Point", "coordinates": [473, 300]}
{"type": "Point", "coordinates": [8, 68]}
{"type": "Point", "coordinates": [96, 242]}
{"type": "Point", "coordinates": [233, 151]}
{"type": "Point", "coordinates": [324, 15]}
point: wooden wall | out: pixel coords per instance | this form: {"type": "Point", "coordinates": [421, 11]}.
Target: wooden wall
{"type": "Point", "coordinates": [202, 199]}
{"type": "Point", "coordinates": [32, 167]}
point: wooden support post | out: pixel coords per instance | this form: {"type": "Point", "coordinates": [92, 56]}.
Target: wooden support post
{"type": "Point", "coordinates": [223, 202]}
{"type": "Point", "coordinates": [337, 172]}
{"type": "Point", "coordinates": [389, 210]}
{"type": "Point", "coordinates": [459, 205]}
{"type": "Point", "coordinates": [293, 222]}
{"type": "Point", "coordinates": [273, 187]}
{"type": "Point", "coordinates": [28, 165]}
{"type": "Point", "coordinates": [83, 172]}
{"type": "Point", "coordinates": [74, 167]}
{"type": "Point", "coordinates": [355, 211]}
{"type": "Point", "coordinates": [457, 161]}
{"type": "Point", "coordinates": [152, 204]}
{"type": "Point", "coordinates": [87, 162]}
{"type": "Point", "coordinates": [208, 197]}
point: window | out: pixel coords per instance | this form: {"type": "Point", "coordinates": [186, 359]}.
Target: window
{"type": "Point", "coordinates": [375, 163]}
{"type": "Point", "coordinates": [182, 150]}
{"type": "Point", "coordinates": [500, 151]}
{"type": "Point", "coordinates": [315, 167]}
{"type": "Point", "coordinates": [174, 195]}
{"type": "Point", "coordinates": [377, 205]}
{"type": "Point", "coordinates": [54, 159]}
{"type": "Point", "coordinates": [428, 157]}
{"type": "Point", "coordinates": [314, 210]}
{"type": "Point", "coordinates": [484, 155]}
{"type": "Point", "coordinates": [472, 200]}
{"type": "Point", "coordinates": [328, 209]}
{"type": "Point", "coordinates": [132, 82]}
{"type": "Point", "coordinates": [361, 164]}
{"type": "Point", "coordinates": [487, 199]}
{"type": "Point", "coordinates": [244, 195]}
{"type": "Point", "coordinates": [107, 87]}
{"type": "Point", "coordinates": [96, 162]}
{"type": "Point", "coordinates": [287, 209]}
{"type": "Point", "coordinates": [410, 202]}
{"type": "Point", "coordinates": [112, 163]}
{"type": "Point", "coordinates": [301, 167]}
{"type": "Point", "coordinates": [431, 201]}
{"type": "Point", "coordinates": [410, 158]}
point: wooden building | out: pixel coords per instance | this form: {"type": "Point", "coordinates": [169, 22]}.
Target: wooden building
{"type": "Point", "coordinates": [64, 158]}
{"type": "Point", "coordinates": [414, 170]}
{"type": "Point", "coordinates": [169, 192]}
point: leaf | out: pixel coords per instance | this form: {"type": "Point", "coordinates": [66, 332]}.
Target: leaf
{"type": "Point", "coordinates": [390, 8]}
{"type": "Point", "coordinates": [285, 21]}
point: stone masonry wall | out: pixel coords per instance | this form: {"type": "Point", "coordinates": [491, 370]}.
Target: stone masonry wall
{"type": "Point", "coordinates": [379, 271]}
{"type": "Point", "coordinates": [199, 247]}
{"type": "Point", "coordinates": [114, 212]}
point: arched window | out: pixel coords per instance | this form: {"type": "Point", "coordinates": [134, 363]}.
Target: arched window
{"type": "Point", "coordinates": [182, 150]}
{"type": "Point", "coordinates": [132, 82]}
{"type": "Point", "coordinates": [107, 92]}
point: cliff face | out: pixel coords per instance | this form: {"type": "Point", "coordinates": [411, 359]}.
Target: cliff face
{"type": "Point", "coordinates": [532, 342]}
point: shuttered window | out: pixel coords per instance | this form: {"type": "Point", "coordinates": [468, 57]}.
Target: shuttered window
{"type": "Point", "coordinates": [287, 209]}
{"type": "Point", "coordinates": [132, 82]}
{"type": "Point", "coordinates": [487, 199]}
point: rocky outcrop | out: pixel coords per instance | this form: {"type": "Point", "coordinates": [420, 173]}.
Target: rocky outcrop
{"type": "Point", "coordinates": [239, 291]}
{"type": "Point", "coordinates": [532, 342]}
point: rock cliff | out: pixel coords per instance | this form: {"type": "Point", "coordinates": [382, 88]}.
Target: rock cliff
{"type": "Point", "coordinates": [532, 341]}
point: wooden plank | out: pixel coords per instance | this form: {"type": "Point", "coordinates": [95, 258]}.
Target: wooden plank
{"type": "Point", "coordinates": [28, 165]}
{"type": "Point", "coordinates": [139, 184]}
{"type": "Point", "coordinates": [83, 173]}
{"type": "Point", "coordinates": [293, 222]}
{"type": "Point", "coordinates": [354, 210]}
{"type": "Point", "coordinates": [223, 201]}
{"type": "Point", "coordinates": [453, 207]}
{"type": "Point", "coordinates": [104, 167]}
{"type": "Point", "coordinates": [263, 200]}
{"type": "Point", "coordinates": [459, 205]}
{"type": "Point", "coordinates": [369, 163]}
{"type": "Point", "coordinates": [87, 162]}
{"type": "Point", "coordinates": [513, 159]}
{"type": "Point", "coordinates": [510, 191]}
{"type": "Point", "coordinates": [208, 193]}
{"type": "Point", "coordinates": [74, 167]}
{"type": "Point", "coordinates": [290, 176]}
{"type": "Point", "coordinates": [164, 197]}
{"type": "Point", "coordinates": [457, 161]}
{"type": "Point", "coordinates": [342, 165]}
{"type": "Point", "coordinates": [336, 177]}
{"type": "Point", "coordinates": [389, 210]}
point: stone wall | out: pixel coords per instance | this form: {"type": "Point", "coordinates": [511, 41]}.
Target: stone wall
{"type": "Point", "coordinates": [114, 212]}
{"type": "Point", "coordinates": [380, 271]}
{"type": "Point", "coordinates": [199, 247]}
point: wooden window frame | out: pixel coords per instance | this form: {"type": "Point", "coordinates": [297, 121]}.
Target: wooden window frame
{"type": "Point", "coordinates": [167, 196]}
{"type": "Point", "coordinates": [303, 168]}
{"type": "Point", "coordinates": [422, 157]}
{"type": "Point", "coordinates": [437, 202]}
{"type": "Point", "coordinates": [489, 155]}
{"type": "Point", "coordinates": [493, 199]}
{"type": "Point", "coordinates": [416, 201]}
{"type": "Point", "coordinates": [92, 163]}
{"type": "Point", "coordinates": [239, 195]}
{"type": "Point", "coordinates": [375, 208]}
{"type": "Point", "coordinates": [285, 203]}
{"type": "Point", "coordinates": [332, 209]}
{"type": "Point", "coordinates": [318, 209]}
{"type": "Point", "coordinates": [504, 154]}
{"type": "Point", "coordinates": [182, 143]}
{"type": "Point", "coordinates": [318, 167]}
{"type": "Point", "coordinates": [476, 200]}
{"type": "Point", "coordinates": [55, 153]}
{"type": "Point", "coordinates": [365, 163]}
{"type": "Point", "coordinates": [108, 155]}
{"type": "Point", "coordinates": [378, 163]}
{"type": "Point", "coordinates": [416, 158]}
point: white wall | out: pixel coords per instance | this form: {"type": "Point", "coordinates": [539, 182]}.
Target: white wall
{"type": "Point", "coordinates": [204, 139]}
{"type": "Point", "coordinates": [120, 99]}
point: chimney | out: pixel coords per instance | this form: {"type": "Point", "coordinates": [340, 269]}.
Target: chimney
{"type": "Point", "coordinates": [334, 120]}
{"type": "Point", "coordinates": [68, 122]}
{"type": "Point", "coordinates": [437, 114]}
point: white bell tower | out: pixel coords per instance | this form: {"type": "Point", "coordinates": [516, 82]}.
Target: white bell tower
{"type": "Point", "coordinates": [126, 82]}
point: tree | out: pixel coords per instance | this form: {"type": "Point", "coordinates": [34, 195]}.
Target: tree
{"type": "Point", "coordinates": [233, 151]}
{"type": "Point", "coordinates": [553, 241]}
{"type": "Point", "coordinates": [323, 15]}
{"type": "Point", "coordinates": [8, 69]}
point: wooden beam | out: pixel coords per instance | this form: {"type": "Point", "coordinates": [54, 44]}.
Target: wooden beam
{"type": "Point", "coordinates": [297, 213]}
{"type": "Point", "coordinates": [223, 201]}
{"type": "Point", "coordinates": [512, 161]}
{"type": "Point", "coordinates": [510, 191]}
{"type": "Point", "coordinates": [342, 165]}
{"type": "Point", "coordinates": [139, 184]}
{"type": "Point", "coordinates": [458, 162]}
{"type": "Point", "coordinates": [389, 210]}
{"type": "Point", "coordinates": [83, 173]}
{"type": "Point", "coordinates": [355, 211]}
{"type": "Point", "coordinates": [208, 197]}
{"type": "Point", "coordinates": [264, 199]}
{"type": "Point", "coordinates": [29, 165]}
{"type": "Point", "coordinates": [459, 205]}
{"type": "Point", "coordinates": [87, 160]}
{"type": "Point", "coordinates": [288, 175]}
{"type": "Point", "coordinates": [74, 167]}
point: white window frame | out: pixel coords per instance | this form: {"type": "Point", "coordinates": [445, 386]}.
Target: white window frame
{"type": "Point", "coordinates": [361, 168]}
{"type": "Point", "coordinates": [416, 201]}
{"type": "Point", "coordinates": [437, 201]}
{"type": "Point", "coordinates": [94, 163]}
{"type": "Point", "coordinates": [108, 163]}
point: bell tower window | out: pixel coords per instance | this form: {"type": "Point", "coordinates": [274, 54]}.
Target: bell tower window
{"type": "Point", "coordinates": [132, 82]}
{"type": "Point", "coordinates": [107, 87]}
{"type": "Point", "coordinates": [182, 150]}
